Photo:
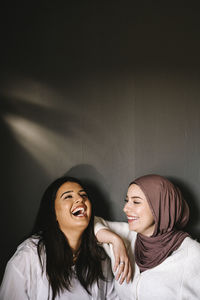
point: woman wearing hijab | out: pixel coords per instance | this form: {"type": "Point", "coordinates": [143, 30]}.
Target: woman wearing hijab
{"type": "Point", "coordinates": [61, 259]}
{"type": "Point", "coordinates": [165, 259]}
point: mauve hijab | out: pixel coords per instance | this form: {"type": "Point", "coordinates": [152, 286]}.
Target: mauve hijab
{"type": "Point", "coordinates": [171, 214]}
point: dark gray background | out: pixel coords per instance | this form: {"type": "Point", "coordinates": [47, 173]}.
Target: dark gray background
{"type": "Point", "coordinates": [105, 91]}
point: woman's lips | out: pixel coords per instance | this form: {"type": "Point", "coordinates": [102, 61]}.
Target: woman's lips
{"type": "Point", "coordinates": [132, 218]}
{"type": "Point", "coordinates": [79, 211]}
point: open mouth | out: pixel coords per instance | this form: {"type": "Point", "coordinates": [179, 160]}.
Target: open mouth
{"type": "Point", "coordinates": [132, 218]}
{"type": "Point", "coordinates": [79, 212]}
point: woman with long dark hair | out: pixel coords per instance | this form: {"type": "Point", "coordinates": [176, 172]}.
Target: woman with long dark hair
{"type": "Point", "coordinates": [165, 259]}
{"type": "Point", "coordinates": [61, 259]}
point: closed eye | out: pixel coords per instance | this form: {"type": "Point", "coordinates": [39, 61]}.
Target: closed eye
{"type": "Point", "coordinates": [68, 196]}
{"type": "Point", "coordinates": [136, 202]}
{"type": "Point", "coordinates": [84, 195]}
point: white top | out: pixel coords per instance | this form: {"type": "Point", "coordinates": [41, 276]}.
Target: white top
{"type": "Point", "coordinates": [176, 278]}
{"type": "Point", "coordinates": [23, 279]}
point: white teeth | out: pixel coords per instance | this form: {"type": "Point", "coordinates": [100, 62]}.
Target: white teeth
{"type": "Point", "coordinates": [132, 218]}
{"type": "Point", "coordinates": [79, 211]}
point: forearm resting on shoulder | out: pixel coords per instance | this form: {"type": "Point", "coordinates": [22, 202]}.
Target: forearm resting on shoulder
{"type": "Point", "coordinates": [107, 236]}
{"type": "Point", "coordinates": [122, 265]}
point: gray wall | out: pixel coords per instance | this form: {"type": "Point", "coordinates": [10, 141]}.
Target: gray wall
{"type": "Point", "coordinates": [102, 91]}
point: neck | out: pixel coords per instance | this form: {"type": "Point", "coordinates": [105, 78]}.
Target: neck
{"type": "Point", "coordinates": [74, 244]}
{"type": "Point", "coordinates": [74, 239]}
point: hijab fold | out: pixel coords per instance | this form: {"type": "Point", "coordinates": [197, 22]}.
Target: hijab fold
{"type": "Point", "coordinates": [171, 214]}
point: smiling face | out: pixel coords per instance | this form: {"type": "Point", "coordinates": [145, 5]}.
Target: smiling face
{"type": "Point", "coordinates": [72, 208]}
{"type": "Point", "coordinates": [138, 212]}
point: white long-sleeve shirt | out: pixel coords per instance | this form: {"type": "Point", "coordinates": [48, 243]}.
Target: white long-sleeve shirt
{"type": "Point", "coordinates": [23, 280]}
{"type": "Point", "coordinates": [176, 278]}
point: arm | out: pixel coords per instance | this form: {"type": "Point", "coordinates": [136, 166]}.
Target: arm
{"type": "Point", "coordinates": [120, 228]}
{"type": "Point", "coordinates": [122, 265]}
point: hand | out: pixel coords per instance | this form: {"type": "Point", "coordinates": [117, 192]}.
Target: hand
{"type": "Point", "coordinates": [122, 262]}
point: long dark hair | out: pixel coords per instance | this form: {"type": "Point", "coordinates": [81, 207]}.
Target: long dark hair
{"type": "Point", "coordinates": [59, 257]}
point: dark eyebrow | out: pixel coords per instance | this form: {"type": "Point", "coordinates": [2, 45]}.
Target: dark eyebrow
{"type": "Point", "coordinates": [70, 192]}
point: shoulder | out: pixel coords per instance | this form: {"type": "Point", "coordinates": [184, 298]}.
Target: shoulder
{"type": "Point", "coordinates": [191, 257]}
{"type": "Point", "coordinates": [25, 255]}
{"type": "Point", "coordinates": [29, 246]}
{"type": "Point", "coordinates": [22, 273]}
{"type": "Point", "coordinates": [192, 247]}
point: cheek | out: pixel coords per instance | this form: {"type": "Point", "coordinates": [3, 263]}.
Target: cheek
{"type": "Point", "coordinates": [58, 214]}
{"type": "Point", "coordinates": [149, 217]}
{"type": "Point", "coordinates": [61, 209]}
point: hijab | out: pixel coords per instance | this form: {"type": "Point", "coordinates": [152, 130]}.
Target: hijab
{"type": "Point", "coordinates": [171, 214]}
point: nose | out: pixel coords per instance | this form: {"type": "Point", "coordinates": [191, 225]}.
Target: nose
{"type": "Point", "coordinates": [126, 208]}
{"type": "Point", "coordinates": [79, 199]}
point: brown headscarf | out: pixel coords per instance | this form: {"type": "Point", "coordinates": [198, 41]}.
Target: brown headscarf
{"type": "Point", "coordinates": [170, 212]}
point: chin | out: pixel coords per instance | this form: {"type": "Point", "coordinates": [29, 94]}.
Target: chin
{"type": "Point", "coordinates": [131, 227]}
{"type": "Point", "coordinates": [83, 222]}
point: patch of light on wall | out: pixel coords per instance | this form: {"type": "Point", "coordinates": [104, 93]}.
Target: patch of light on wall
{"type": "Point", "coordinates": [49, 149]}
{"type": "Point", "coordinates": [30, 91]}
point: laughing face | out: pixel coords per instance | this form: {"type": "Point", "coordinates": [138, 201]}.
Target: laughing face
{"type": "Point", "coordinates": [138, 212]}
{"type": "Point", "coordinates": [72, 207]}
